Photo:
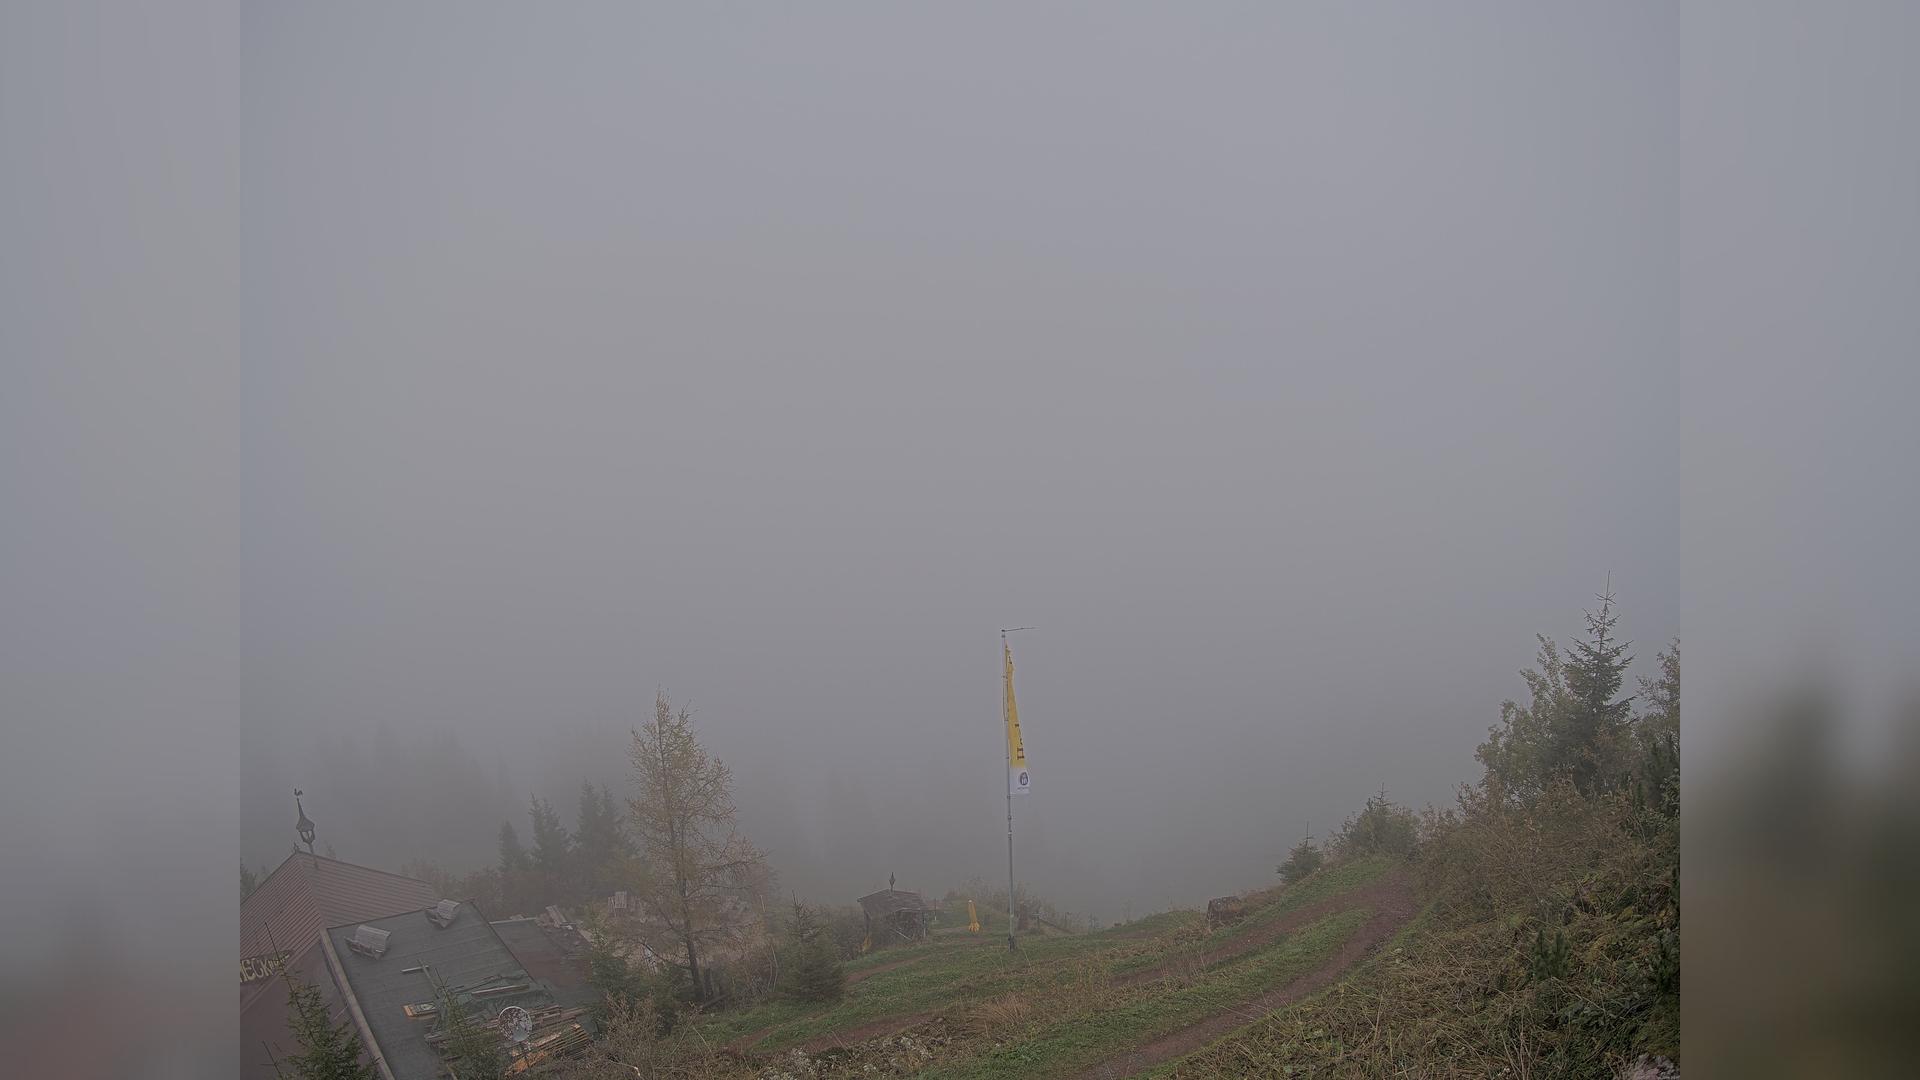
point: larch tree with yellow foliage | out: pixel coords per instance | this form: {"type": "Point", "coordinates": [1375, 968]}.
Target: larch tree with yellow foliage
{"type": "Point", "coordinates": [698, 881]}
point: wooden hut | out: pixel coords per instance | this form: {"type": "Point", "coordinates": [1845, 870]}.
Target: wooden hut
{"type": "Point", "coordinates": [895, 915]}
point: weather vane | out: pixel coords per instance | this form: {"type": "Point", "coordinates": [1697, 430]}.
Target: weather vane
{"type": "Point", "coordinates": [305, 824]}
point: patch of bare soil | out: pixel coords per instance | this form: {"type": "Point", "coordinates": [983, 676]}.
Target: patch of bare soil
{"type": "Point", "coordinates": [1393, 904]}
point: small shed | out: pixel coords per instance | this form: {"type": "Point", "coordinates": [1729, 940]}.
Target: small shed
{"type": "Point", "coordinates": [895, 915]}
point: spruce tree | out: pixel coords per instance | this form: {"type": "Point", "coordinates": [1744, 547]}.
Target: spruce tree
{"type": "Point", "coordinates": [1589, 742]}
{"type": "Point", "coordinates": [1303, 860]}
{"type": "Point", "coordinates": [515, 869]}
{"type": "Point", "coordinates": [814, 971]}
{"type": "Point", "coordinates": [552, 852]}
{"type": "Point", "coordinates": [328, 1051]}
{"type": "Point", "coordinates": [1574, 727]}
{"type": "Point", "coordinates": [599, 842]}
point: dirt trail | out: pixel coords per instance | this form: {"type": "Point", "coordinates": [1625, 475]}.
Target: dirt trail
{"type": "Point", "coordinates": [1374, 895]}
{"type": "Point", "coordinates": [868, 973]}
{"type": "Point", "coordinates": [746, 1042]}
{"type": "Point", "coordinates": [1393, 904]}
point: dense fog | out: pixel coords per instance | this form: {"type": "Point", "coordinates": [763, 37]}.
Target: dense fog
{"type": "Point", "coordinates": [1287, 370]}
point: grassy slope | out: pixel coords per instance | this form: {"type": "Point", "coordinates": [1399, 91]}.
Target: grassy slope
{"type": "Point", "coordinates": [1460, 993]}
{"type": "Point", "coordinates": [1072, 1015]}
{"type": "Point", "coordinates": [1086, 1037]}
{"type": "Point", "coordinates": [1276, 903]}
{"type": "Point", "coordinates": [945, 973]}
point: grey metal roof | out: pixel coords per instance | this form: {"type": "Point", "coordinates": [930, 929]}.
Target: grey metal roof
{"type": "Point", "coordinates": [467, 954]}
{"type": "Point", "coordinates": [556, 956]}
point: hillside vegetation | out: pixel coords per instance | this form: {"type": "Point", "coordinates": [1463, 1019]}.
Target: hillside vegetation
{"type": "Point", "coordinates": [962, 1006]}
{"type": "Point", "coordinates": [1531, 930]}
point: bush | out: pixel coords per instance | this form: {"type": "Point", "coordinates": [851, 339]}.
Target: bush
{"type": "Point", "coordinates": [635, 1043]}
{"type": "Point", "coordinates": [846, 925]}
{"type": "Point", "coordinates": [471, 1050]}
{"type": "Point", "coordinates": [749, 976]}
{"type": "Point", "coordinates": [1383, 828]}
{"type": "Point", "coordinates": [664, 991]}
{"type": "Point", "coordinates": [1303, 860]}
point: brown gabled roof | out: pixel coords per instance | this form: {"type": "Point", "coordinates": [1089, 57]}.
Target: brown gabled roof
{"type": "Point", "coordinates": [307, 893]}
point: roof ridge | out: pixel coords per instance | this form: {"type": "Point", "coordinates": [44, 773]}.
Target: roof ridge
{"type": "Point", "coordinates": [326, 925]}
{"type": "Point", "coordinates": [292, 855]}
{"type": "Point", "coordinates": [372, 869]}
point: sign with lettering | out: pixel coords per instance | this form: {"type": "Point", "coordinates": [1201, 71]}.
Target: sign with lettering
{"type": "Point", "coordinates": [264, 966]}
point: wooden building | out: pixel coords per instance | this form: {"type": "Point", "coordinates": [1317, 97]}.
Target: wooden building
{"type": "Point", "coordinates": [895, 916]}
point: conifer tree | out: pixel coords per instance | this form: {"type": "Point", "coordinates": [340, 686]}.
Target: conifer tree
{"type": "Point", "coordinates": [1304, 859]}
{"type": "Point", "coordinates": [1574, 727]}
{"type": "Point", "coordinates": [813, 968]}
{"type": "Point", "coordinates": [1591, 736]}
{"type": "Point", "coordinates": [328, 1051]}
{"type": "Point", "coordinates": [600, 842]}
{"type": "Point", "coordinates": [552, 858]}
{"type": "Point", "coordinates": [516, 867]}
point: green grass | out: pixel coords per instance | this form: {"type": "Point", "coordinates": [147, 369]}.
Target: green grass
{"type": "Point", "coordinates": [1077, 1016]}
{"type": "Point", "coordinates": [1151, 925]}
{"type": "Point", "coordinates": [1086, 1038]}
{"type": "Point", "coordinates": [1461, 991]}
{"type": "Point", "coordinates": [1205, 1061]}
{"type": "Point", "coordinates": [1324, 885]}
{"type": "Point", "coordinates": [945, 974]}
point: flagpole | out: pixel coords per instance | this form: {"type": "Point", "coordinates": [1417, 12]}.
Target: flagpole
{"type": "Point", "coordinates": [1006, 725]}
{"type": "Point", "coordinates": [1006, 721]}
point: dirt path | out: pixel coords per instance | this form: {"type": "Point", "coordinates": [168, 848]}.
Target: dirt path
{"type": "Point", "coordinates": [746, 1042]}
{"type": "Point", "coordinates": [868, 973]}
{"type": "Point", "coordinates": [1387, 890]}
{"type": "Point", "coordinates": [1393, 904]}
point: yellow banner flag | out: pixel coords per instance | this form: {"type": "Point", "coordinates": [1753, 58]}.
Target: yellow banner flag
{"type": "Point", "coordinates": [1019, 781]}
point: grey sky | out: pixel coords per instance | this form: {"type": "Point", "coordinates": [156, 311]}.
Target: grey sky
{"type": "Point", "coordinates": [1288, 368]}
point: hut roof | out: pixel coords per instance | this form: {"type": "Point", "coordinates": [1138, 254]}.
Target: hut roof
{"type": "Point", "coordinates": [891, 901]}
